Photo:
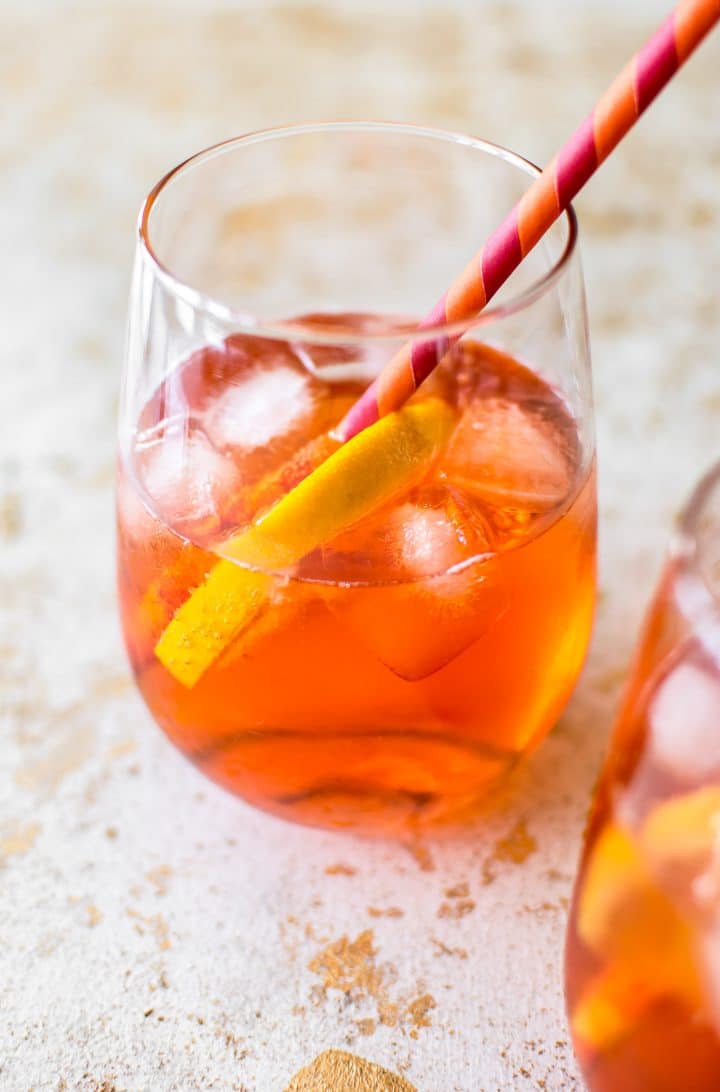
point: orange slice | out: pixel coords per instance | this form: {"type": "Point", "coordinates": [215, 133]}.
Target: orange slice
{"type": "Point", "coordinates": [363, 474]}
{"type": "Point", "coordinates": [630, 924]}
{"type": "Point", "coordinates": [681, 836]}
{"type": "Point", "coordinates": [624, 914]}
{"type": "Point", "coordinates": [615, 882]}
{"type": "Point", "coordinates": [611, 1004]}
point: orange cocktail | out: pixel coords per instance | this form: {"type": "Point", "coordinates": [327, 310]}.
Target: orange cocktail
{"type": "Point", "coordinates": [363, 634]}
{"type": "Point", "coordinates": [401, 665]}
{"type": "Point", "coordinates": [643, 953]}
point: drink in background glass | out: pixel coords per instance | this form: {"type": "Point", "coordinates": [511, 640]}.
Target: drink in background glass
{"type": "Point", "coordinates": [388, 674]}
{"type": "Point", "coordinates": [643, 952]}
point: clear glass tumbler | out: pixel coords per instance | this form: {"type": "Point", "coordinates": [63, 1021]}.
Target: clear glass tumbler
{"type": "Point", "coordinates": [375, 662]}
{"type": "Point", "coordinates": [643, 951]}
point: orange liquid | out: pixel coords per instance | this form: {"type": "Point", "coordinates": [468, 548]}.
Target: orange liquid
{"type": "Point", "coordinates": [642, 960]}
{"type": "Point", "coordinates": [376, 689]}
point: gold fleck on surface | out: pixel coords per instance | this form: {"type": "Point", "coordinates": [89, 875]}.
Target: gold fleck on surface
{"type": "Point", "coordinates": [111, 685]}
{"type": "Point", "coordinates": [388, 912]}
{"type": "Point", "coordinates": [122, 748]}
{"type": "Point", "coordinates": [340, 869]}
{"type": "Point", "coordinates": [18, 838]}
{"type": "Point", "coordinates": [547, 907]}
{"type": "Point", "coordinates": [388, 1013]}
{"type": "Point", "coordinates": [458, 904]}
{"type": "Point", "coordinates": [458, 908]}
{"type": "Point", "coordinates": [338, 1071]}
{"type": "Point", "coordinates": [515, 847]}
{"type": "Point", "coordinates": [94, 915]}
{"type": "Point", "coordinates": [67, 756]}
{"type": "Point", "coordinates": [421, 855]}
{"type": "Point", "coordinates": [159, 878]}
{"type": "Point", "coordinates": [349, 965]}
{"type": "Point", "coordinates": [366, 1027]}
{"type": "Point", "coordinates": [443, 949]}
{"type": "Point", "coordinates": [419, 1008]}
{"type": "Point", "coordinates": [155, 924]}
{"type": "Point", "coordinates": [10, 516]}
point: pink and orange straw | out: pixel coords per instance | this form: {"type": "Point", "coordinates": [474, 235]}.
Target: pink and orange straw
{"type": "Point", "coordinates": [616, 112]}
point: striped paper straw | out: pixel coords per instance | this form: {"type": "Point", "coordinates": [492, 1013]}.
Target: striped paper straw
{"type": "Point", "coordinates": [616, 112]}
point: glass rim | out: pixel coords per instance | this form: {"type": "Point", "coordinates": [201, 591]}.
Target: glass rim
{"type": "Point", "coordinates": [296, 330]}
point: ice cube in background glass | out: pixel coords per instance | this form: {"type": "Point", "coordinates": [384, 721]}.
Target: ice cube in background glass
{"type": "Point", "coordinates": [256, 408]}
{"type": "Point", "coordinates": [684, 718]}
{"type": "Point", "coordinates": [420, 553]}
{"type": "Point", "coordinates": [188, 482]}
{"type": "Point", "coordinates": [509, 454]}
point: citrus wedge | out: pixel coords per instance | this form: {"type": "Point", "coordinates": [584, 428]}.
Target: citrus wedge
{"type": "Point", "coordinates": [610, 1006]}
{"type": "Point", "coordinates": [363, 474]}
{"type": "Point", "coordinates": [681, 836]}
{"type": "Point", "coordinates": [624, 914]}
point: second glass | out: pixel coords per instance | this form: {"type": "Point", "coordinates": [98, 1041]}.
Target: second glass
{"type": "Point", "coordinates": [643, 952]}
{"type": "Point", "coordinates": [383, 672]}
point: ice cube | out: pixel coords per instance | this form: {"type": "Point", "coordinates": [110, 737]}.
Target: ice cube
{"type": "Point", "coordinates": [256, 403]}
{"type": "Point", "coordinates": [258, 407]}
{"type": "Point", "coordinates": [684, 718]}
{"type": "Point", "coordinates": [416, 629]}
{"type": "Point", "coordinates": [264, 420]}
{"type": "Point", "coordinates": [436, 529]}
{"type": "Point", "coordinates": [509, 454]}
{"type": "Point", "coordinates": [434, 599]}
{"type": "Point", "coordinates": [189, 483]}
{"type": "Point", "coordinates": [433, 540]}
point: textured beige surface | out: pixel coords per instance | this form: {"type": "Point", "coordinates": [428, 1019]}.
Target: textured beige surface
{"type": "Point", "coordinates": [155, 934]}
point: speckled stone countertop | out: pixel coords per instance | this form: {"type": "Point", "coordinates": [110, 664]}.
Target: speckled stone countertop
{"type": "Point", "coordinates": [156, 934]}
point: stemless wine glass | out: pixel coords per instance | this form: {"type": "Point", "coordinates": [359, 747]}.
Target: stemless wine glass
{"type": "Point", "coordinates": [376, 649]}
{"type": "Point", "coordinates": [643, 952]}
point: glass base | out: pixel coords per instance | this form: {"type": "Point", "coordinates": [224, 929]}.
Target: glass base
{"type": "Point", "coordinates": [383, 784]}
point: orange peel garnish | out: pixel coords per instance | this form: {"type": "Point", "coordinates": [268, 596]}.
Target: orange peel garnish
{"type": "Point", "coordinates": [359, 477]}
